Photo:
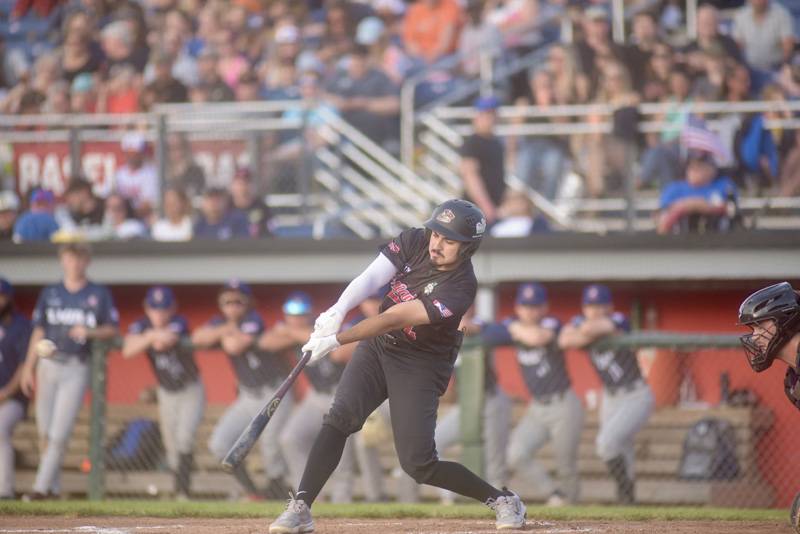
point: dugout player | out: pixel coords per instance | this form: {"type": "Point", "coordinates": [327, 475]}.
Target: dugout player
{"type": "Point", "coordinates": [181, 396]}
{"type": "Point", "coordinates": [556, 413]}
{"type": "Point", "coordinates": [236, 330]}
{"type": "Point", "coordinates": [68, 314]}
{"type": "Point", "coordinates": [302, 425]}
{"type": "Point", "coordinates": [627, 399]}
{"type": "Point", "coordinates": [15, 331]}
{"type": "Point", "coordinates": [406, 354]}
{"type": "Point", "coordinates": [773, 316]}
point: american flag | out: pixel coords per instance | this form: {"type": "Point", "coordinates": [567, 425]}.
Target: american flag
{"type": "Point", "coordinates": [696, 136]}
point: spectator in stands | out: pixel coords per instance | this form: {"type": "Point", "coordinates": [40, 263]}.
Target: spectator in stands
{"type": "Point", "coordinates": [175, 41]}
{"type": "Point", "coordinates": [280, 82]}
{"type": "Point", "coordinates": [232, 63]}
{"type": "Point", "coordinates": [120, 219]}
{"type": "Point", "coordinates": [57, 98]}
{"type": "Point", "coordinates": [118, 41]}
{"type": "Point", "coordinates": [387, 55]}
{"type": "Point", "coordinates": [38, 223]}
{"type": "Point", "coordinates": [210, 87]}
{"type": "Point", "coordinates": [217, 220]}
{"type": "Point", "coordinates": [571, 85]}
{"type": "Point", "coordinates": [367, 99]}
{"type": "Point", "coordinates": [517, 217]}
{"type": "Point", "coordinates": [430, 29]}
{"type": "Point", "coordinates": [790, 169]}
{"type": "Point", "coordinates": [183, 171]}
{"type": "Point", "coordinates": [9, 209]}
{"type": "Point", "coordinates": [121, 92]}
{"type": "Point", "coordinates": [137, 178]}
{"type": "Point", "coordinates": [340, 28]}
{"type": "Point", "coordinates": [710, 40]}
{"type": "Point", "coordinates": [81, 54]}
{"type": "Point", "coordinates": [596, 47]}
{"type": "Point", "coordinates": [82, 212]}
{"type": "Point", "coordinates": [176, 225]}
{"type": "Point", "coordinates": [246, 201]}
{"type": "Point", "coordinates": [704, 201]}
{"type": "Point", "coordinates": [247, 89]}
{"type": "Point", "coordinates": [763, 29]}
{"type": "Point", "coordinates": [478, 36]}
{"type": "Point", "coordinates": [645, 36]}
{"type": "Point", "coordinates": [482, 160]}
{"type": "Point", "coordinates": [164, 88]}
{"type": "Point", "coordinates": [738, 83]}
{"type": "Point", "coordinates": [83, 96]}
{"type": "Point", "coordinates": [656, 76]}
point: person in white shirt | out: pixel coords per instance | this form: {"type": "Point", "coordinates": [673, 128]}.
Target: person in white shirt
{"type": "Point", "coordinates": [763, 30]}
{"type": "Point", "coordinates": [137, 178]}
{"type": "Point", "coordinates": [176, 225]}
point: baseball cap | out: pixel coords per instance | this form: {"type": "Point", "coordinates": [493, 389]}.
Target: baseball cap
{"type": "Point", "coordinates": [596, 294]}
{"type": "Point", "coordinates": [5, 287]}
{"type": "Point", "coordinates": [596, 12]}
{"type": "Point", "coordinates": [234, 284]}
{"type": "Point", "coordinates": [42, 196]}
{"type": "Point", "coordinates": [487, 103]}
{"type": "Point", "coordinates": [297, 303]}
{"type": "Point", "coordinates": [369, 31]}
{"type": "Point", "coordinates": [531, 294]}
{"type": "Point", "coordinates": [9, 201]}
{"type": "Point", "coordinates": [159, 298]}
{"type": "Point", "coordinates": [700, 155]}
{"type": "Point", "coordinates": [133, 142]}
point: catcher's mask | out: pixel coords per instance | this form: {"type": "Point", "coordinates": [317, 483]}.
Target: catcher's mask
{"type": "Point", "coordinates": [773, 315]}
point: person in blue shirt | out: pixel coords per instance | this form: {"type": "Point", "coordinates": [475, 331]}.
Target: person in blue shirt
{"type": "Point", "coordinates": [70, 314]}
{"type": "Point", "coordinates": [217, 220]}
{"type": "Point", "coordinates": [706, 199]}
{"type": "Point", "coordinates": [15, 331]}
{"type": "Point", "coordinates": [38, 223]}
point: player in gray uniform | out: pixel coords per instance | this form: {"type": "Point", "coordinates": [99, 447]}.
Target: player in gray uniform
{"type": "Point", "coordinates": [69, 314]}
{"type": "Point", "coordinates": [181, 396]}
{"type": "Point", "coordinates": [15, 331]}
{"type": "Point", "coordinates": [236, 331]}
{"type": "Point", "coordinates": [556, 414]}
{"type": "Point", "coordinates": [627, 399]}
{"type": "Point", "coordinates": [298, 434]}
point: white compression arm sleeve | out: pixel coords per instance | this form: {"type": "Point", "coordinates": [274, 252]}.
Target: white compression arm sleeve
{"type": "Point", "coordinates": [379, 273]}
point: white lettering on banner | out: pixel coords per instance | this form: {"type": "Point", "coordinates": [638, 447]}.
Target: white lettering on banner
{"type": "Point", "coordinates": [51, 172]}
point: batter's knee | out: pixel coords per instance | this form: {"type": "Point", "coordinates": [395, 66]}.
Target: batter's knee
{"type": "Point", "coordinates": [217, 447]}
{"type": "Point", "coordinates": [344, 422]}
{"type": "Point", "coordinates": [607, 446]}
{"type": "Point", "coordinates": [421, 472]}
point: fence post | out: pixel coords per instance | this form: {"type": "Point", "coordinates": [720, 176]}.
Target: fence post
{"type": "Point", "coordinates": [97, 424]}
{"type": "Point", "coordinates": [469, 377]}
{"type": "Point", "coordinates": [75, 167]}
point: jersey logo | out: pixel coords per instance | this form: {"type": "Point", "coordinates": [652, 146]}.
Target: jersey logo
{"type": "Point", "coordinates": [400, 293]}
{"type": "Point", "coordinates": [446, 216]}
{"type": "Point", "coordinates": [443, 310]}
{"type": "Point", "coordinates": [394, 247]}
{"type": "Point", "coordinates": [429, 288]}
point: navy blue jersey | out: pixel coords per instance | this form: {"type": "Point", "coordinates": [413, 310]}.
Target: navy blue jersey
{"type": "Point", "coordinates": [615, 367]}
{"type": "Point", "coordinates": [15, 332]}
{"type": "Point", "coordinates": [58, 310]}
{"type": "Point", "coordinates": [543, 368]}
{"type": "Point", "coordinates": [176, 367]}
{"type": "Point", "coordinates": [253, 368]}
{"type": "Point", "coordinates": [446, 295]}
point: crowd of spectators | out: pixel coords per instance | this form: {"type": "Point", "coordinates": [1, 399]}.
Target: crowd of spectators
{"type": "Point", "coordinates": [350, 57]}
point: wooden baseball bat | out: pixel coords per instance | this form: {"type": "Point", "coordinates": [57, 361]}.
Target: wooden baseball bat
{"type": "Point", "coordinates": [250, 434]}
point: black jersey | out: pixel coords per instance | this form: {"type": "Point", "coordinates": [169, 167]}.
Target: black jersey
{"type": "Point", "coordinates": [174, 368]}
{"type": "Point", "coordinates": [446, 295]}
{"type": "Point", "coordinates": [791, 384]}
{"type": "Point", "coordinates": [617, 367]}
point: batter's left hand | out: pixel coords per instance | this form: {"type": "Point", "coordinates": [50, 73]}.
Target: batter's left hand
{"type": "Point", "coordinates": [320, 346]}
{"type": "Point", "coordinates": [328, 323]}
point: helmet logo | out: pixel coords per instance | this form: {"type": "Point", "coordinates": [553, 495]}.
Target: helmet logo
{"type": "Point", "coordinates": [446, 216]}
{"type": "Point", "coordinates": [480, 227]}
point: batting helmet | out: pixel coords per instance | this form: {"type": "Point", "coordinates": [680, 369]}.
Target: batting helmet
{"type": "Point", "coordinates": [459, 220]}
{"type": "Point", "coordinates": [778, 303]}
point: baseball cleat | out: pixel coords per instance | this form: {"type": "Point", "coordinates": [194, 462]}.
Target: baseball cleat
{"type": "Point", "coordinates": [296, 519]}
{"type": "Point", "coordinates": [509, 510]}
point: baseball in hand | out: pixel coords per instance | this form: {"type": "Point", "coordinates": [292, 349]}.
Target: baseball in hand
{"type": "Point", "coordinates": [45, 348]}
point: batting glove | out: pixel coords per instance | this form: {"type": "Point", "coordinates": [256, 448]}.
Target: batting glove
{"type": "Point", "coordinates": [328, 323]}
{"type": "Point", "coordinates": [320, 346]}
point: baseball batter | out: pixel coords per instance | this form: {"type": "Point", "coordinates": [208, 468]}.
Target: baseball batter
{"type": "Point", "coordinates": [556, 414]}
{"type": "Point", "coordinates": [406, 354]}
{"type": "Point", "coordinates": [236, 330]}
{"type": "Point", "coordinates": [15, 331]}
{"type": "Point", "coordinates": [68, 314]}
{"type": "Point", "coordinates": [627, 400]}
{"type": "Point", "coordinates": [773, 316]}
{"type": "Point", "coordinates": [181, 397]}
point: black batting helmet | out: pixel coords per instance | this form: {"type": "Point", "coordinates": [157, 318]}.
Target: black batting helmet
{"type": "Point", "coordinates": [459, 220]}
{"type": "Point", "coordinates": [778, 303]}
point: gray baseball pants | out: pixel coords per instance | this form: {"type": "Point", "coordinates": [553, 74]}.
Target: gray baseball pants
{"type": "Point", "coordinates": [11, 412]}
{"type": "Point", "coordinates": [180, 414]}
{"type": "Point", "coordinates": [60, 387]}
{"type": "Point", "coordinates": [560, 422]}
{"type": "Point", "coordinates": [622, 415]}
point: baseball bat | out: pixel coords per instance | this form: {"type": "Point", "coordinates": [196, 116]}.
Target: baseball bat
{"type": "Point", "coordinates": [250, 434]}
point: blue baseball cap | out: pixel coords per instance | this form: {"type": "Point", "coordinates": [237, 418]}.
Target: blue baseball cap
{"type": "Point", "coordinates": [159, 298]}
{"type": "Point", "coordinates": [234, 284]}
{"type": "Point", "coordinates": [487, 103]}
{"type": "Point", "coordinates": [297, 303]}
{"type": "Point", "coordinates": [531, 294]}
{"type": "Point", "coordinates": [596, 294]}
{"type": "Point", "coordinates": [5, 287]}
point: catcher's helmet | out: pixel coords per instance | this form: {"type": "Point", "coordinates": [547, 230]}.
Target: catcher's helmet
{"type": "Point", "coordinates": [778, 303]}
{"type": "Point", "coordinates": [459, 220]}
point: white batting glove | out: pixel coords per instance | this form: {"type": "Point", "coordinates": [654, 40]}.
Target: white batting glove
{"type": "Point", "coordinates": [320, 346]}
{"type": "Point", "coordinates": [328, 323]}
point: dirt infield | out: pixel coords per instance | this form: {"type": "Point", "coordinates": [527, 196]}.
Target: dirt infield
{"type": "Point", "coordinates": [132, 525]}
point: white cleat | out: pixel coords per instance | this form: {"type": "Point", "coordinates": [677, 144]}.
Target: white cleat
{"type": "Point", "coordinates": [296, 519]}
{"type": "Point", "coordinates": [510, 512]}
